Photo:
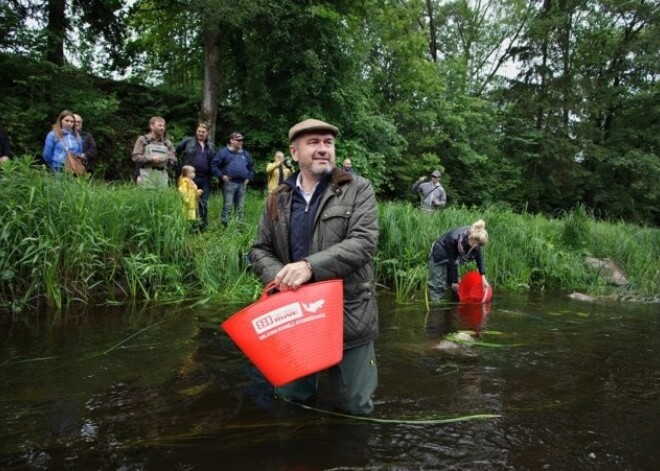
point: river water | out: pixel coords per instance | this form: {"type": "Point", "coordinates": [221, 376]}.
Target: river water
{"type": "Point", "coordinates": [570, 385]}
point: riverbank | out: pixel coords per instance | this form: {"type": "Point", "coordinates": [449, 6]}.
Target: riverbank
{"type": "Point", "coordinates": [66, 240]}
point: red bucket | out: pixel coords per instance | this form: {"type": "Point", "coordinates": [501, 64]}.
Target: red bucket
{"type": "Point", "coordinates": [293, 333]}
{"type": "Point", "coordinates": [471, 290]}
{"type": "Point", "coordinates": [472, 316]}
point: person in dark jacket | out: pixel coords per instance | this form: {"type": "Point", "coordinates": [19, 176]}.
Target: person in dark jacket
{"type": "Point", "coordinates": [451, 249]}
{"type": "Point", "coordinates": [322, 224]}
{"type": "Point", "coordinates": [198, 152]}
{"type": "Point", "coordinates": [348, 166]}
{"type": "Point", "coordinates": [88, 155]}
{"type": "Point", "coordinates": [234, 167]}
{"type": "Point", "coordinates": [5, 146]}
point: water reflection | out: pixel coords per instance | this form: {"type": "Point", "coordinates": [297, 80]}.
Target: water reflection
{"type": "Point", "coordinates": [444, 319]}
{"type": "Point", "coordinates": [161, 387]}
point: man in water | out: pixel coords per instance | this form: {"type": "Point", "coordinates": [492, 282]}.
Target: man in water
{"type": "Point", "coordinates": [322, 224]}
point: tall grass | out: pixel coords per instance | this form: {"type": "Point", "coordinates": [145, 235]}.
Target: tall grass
{"type": "Point", "coordinates": [525, 251]}
{"type": "Point", "coordinates": [65, 239]}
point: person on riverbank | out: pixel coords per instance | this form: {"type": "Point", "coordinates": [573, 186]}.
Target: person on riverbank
{"type": "Point", "coordinates": [451, 249]}
{"type": "Point", "coordinates": [190, 193]}
{"type": "Point", "coordinates": [348, 166]}
{"type": "Point", "coordinates": [60, 141]}
{"type": "Point", "coordinates": [322, 224]}
{"type": "Point", "coordinates": [234, 167]}
{"type": "Point", "coordinates": [198, 151]}
{"type": "Point", "coordinates": [5, 145]}
{"type": "Point", "coordinates": [89, 152]}
{"type": "Point", "coordinates": [433, 195]}
{"type": "Point", "coordinates": [152, 153]}
{"type": "Point", "coordinates": [278, 171]}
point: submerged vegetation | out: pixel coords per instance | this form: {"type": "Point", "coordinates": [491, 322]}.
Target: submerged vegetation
{"type": "Point", "coordinates": [66, 239]}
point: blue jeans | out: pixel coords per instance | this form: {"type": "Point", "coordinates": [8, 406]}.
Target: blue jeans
{"type": "Point", "coordinates": [204, 184]}
{"type": "Point", "coordinates": [234, 196]}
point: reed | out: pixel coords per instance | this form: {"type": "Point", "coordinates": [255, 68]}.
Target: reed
{"type": "Point", "coordinates": [69, 239]}
{"type": "Point", "coordinates": [525, 251]}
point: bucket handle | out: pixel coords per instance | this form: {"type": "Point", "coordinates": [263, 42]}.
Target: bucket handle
{"type": "Point", "coordinates": [270, 286]}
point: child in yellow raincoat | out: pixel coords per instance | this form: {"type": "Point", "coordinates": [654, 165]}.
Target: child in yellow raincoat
{"type": "Point", "coordinates": [189, 193]}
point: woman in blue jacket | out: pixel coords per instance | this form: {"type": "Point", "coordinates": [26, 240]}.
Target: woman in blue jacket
{"type": "Point", "coordinates": [451, 249]}
{"type": "Point", "coordinates": [60, 140]}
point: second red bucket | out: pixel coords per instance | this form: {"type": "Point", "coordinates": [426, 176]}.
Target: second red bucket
{"type": "Point", "coordinates": [291, 334]}
{"type": "Point", "coordinates": [471, 290]}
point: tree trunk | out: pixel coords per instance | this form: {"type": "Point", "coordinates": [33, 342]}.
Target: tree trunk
{"type": "Point", "coordinates": [543, 71]}
{"type": "Point", "coordinates": [433, 44]}
{"type": "Point", "coordinates": [56, 30]}
{"type": "Point", "coordinates": [211, 83]}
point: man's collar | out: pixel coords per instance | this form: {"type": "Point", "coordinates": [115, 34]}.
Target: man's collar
{"type": "Point", "coordinates": [299, 184]}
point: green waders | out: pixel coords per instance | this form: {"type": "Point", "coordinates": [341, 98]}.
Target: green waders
{"type": "Point", "coordinates": [353, 382]}
{"type": "Point", "coordinates": [437, 279]}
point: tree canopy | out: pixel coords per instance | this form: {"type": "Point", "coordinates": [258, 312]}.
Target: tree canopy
{"type": "Point", "coordinates": [540, 105]}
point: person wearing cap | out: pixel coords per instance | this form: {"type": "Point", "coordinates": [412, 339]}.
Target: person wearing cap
{"type": "Point", "coordinates": [234, 166]}
{"type": "Point", "coordinates": [322, 224]}
{"type": "Point", "coordinates": [449, 250]}
{"type": "Point", "coordinates": [433, 194]}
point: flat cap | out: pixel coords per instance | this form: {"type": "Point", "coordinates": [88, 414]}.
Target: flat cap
{"type": "Point", "coordinates": [436, 174]}
{"type": "Point", "coordinates": [311, 125]}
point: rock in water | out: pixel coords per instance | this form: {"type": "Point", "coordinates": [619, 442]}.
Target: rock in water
{"type": "Point", "coordinates": [608, 269]}
{"type": "Point", "coordinates": [581, 297]}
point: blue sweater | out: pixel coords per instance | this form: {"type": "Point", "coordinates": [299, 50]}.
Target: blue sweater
{"type": "Point", "coordinates": [55, 149]}
{"type": "Point", "coordinates": [303, 216]}
{"type": "Point", "coordinates": [238, 166]}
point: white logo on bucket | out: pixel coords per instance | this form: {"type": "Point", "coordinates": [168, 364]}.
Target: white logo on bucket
{"type": "Point", "coordinates": [277, 317]}
{"type": "Point", "coordinates": [315, 306]}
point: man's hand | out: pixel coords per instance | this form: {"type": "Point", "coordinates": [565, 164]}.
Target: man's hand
{"type": "Point", "coordinates": [421, 179]}
{"type": "Point", "coordinates": [292, 275]}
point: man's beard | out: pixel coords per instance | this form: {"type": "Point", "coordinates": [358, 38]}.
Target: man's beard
{"type": "Point", "coordinates": [319, 174]}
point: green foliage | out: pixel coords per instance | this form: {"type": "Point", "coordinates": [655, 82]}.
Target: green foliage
{"type": "Point", "coordinates": [34, 93]}
{"type": "Point", "coordinates": [68, 239]}
{"type": "Point", "coordinates": [65, 239]}
{"type": "Point", "coordinates": [539, 106]}
{"type": "Point", "coordinates": [580, 89]}
{"type": "Point", "coordinates": [524, 251]}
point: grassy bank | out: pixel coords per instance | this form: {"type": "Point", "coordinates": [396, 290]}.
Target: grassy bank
{"type": "Point", "coordinates": [66, 239]}
{"type": "Point", "coordinates": [525, 251]}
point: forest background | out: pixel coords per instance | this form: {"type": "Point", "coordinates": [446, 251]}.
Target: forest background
{"type": "Point", "coordinates": [534, 105]}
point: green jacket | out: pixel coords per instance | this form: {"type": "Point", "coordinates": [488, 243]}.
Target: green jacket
{"type": "Point", "coordinates": [344, 241]}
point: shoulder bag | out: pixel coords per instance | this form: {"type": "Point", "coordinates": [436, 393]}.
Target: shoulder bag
{"type": "Point", "coordinates": [74, 164]}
